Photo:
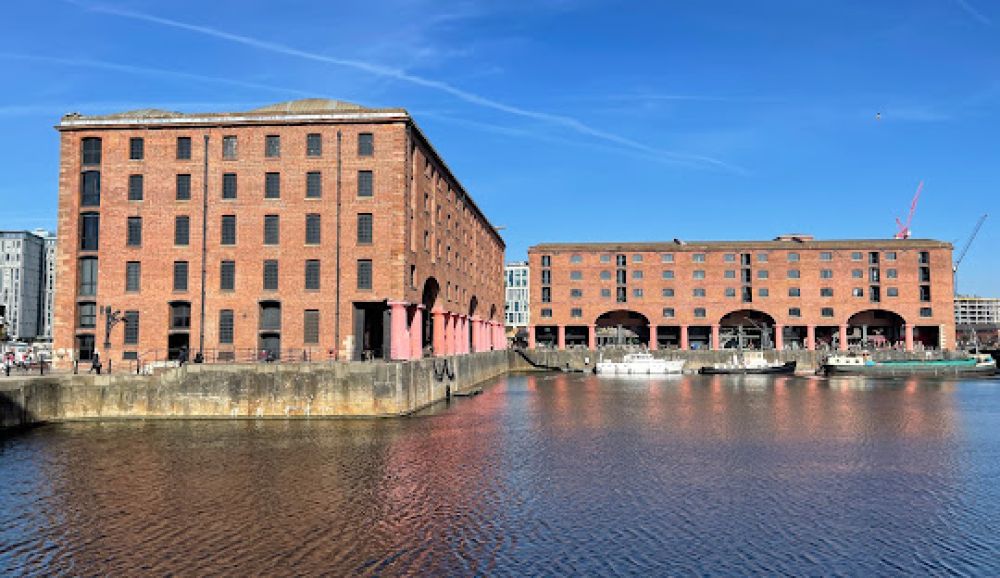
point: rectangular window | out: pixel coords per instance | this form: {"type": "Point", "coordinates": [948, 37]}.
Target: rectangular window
{"type": "Point", "coordinates": [793, 257]}
{"type": "Point", "coordinates": [746, 294]}
{"type": "Point", "coordinates": [546, 294]}
{"type": "Point", "coordinates": [312, 274]}
{"type": "Point", "coordinates": [182, 230]}
{"type": "Point", "coordinates": [637, 293]}
{"type": "Point", "coordinates": [180, 275]}
{"type": "Point", "coordinates": [310, 326]}
{"type": "Point", "coordinates": [313, 229]}
{"type": "Point", "coordinates": [667, 292]}
{"type": "Point", "coordinates": [890, 274]}
{"type": "Point", "coordinates": [134, 232]}
{"type": "Point", "coordinates": [826, 312]}
{"type": "Point", "coordinates": [576, 259]}
{"type": "Point", "coordinates": [605, 258]}
{"type": "Point", "coordinates": [892, 292]}
{"type": "Point", "coordinates": [131, 319]}
{"type": "Point", "coordinates": [183, 188]}
{"type": "Point", "coordinates": [365, 184]}
{"type": "Point", "coordinates": [272, 185]}
{"type": "Point", "coordinates": [226, 326]}
{"type": "Point", "coordinates": [272, 146]}
{"type": "Point", "coordinates": [575, 293]}
{"type": "Point", "coordinates": [229, 151]}
{"type": "Point", "coordinates": [698, 292]}
{"type": "Point", "coordinates": [925, 258]}
{"type": "Point", "coordinates": [228, 236]}
{"type": "Point", "coordinates": [576, 312]}
{"type": "Point", "coordinates": [668, 274]}
{"type": "Point", "coordinates": [314, 185]}
{"type": "Point", "coordinates": [91, 151]}
{"type": "Point", "coordinates": [88, 316]}
{"type": "Point", "coordinates": [762, 274]}
{"type": "Point", "coordinates": [873, 275]}
{"type": "Point", "coordinates": [925, 293]}
{"type": "Point", "coordinates": [890, 256]}
{"type": "Point", "coordinates": [729, 274]}
{"type": "Point", "coordinates": [605, 275]}
{"type": "Point", "coordinates": [699, 312]}
{"type": "Point", "coordinates": [620, 276]}
{"type": "Point", "coordinates": [730, 292]}
{"type": "Point", "coordinates": [546, 261]}
{"type": "Point", "coordinates": [272, 229]}
{"type": "Point", "coordinates": [364, 228]}
{"type": "Point", "coordinates": [793, 273]}
{"type": "Point", "coordinates": [546, 277]}
{"type": "Point", "coordinates": [90, 228]}
{"type": "Point", "coordinates": [314, 145]}
{"type": "Point", "coordinates": [271, 275]}
{"type": "Point", "coordinates": [668, 311]}
{"type": "Point", "coordinates": [667, 258]}
{"type": "Point", "coordinates": [698, 257]}
{"type": "Point", "coordinates": [637, 258]}
{"type": "Point", "coordinates": [606, 293]}
{"type": "Point", "coordinates": [698, 274]}
{"type": "Point", "coordinates": [229, 186]}
{"type": "Point", "coordinates": [826, 274]}
{"type": "Point", "coordinates": [133, 276]}
{"type": "Point", "coordinates": [637, 274]}
{"type": "Point", "coordinates": [856, 256]}
{"type": "Point", "coordinates": [762, 257]}
{"type": "Point", "coordinates": [180, 315]}
{"type": "Point", "coordinates": [794, 312]}
{"type": "Point", "coordinates": [546, 312]}
{"type": "Point", "coordinates": [90, 189]}
{"type": "Point", "coordinates": [621, 295]}
{"type": "Point", "coordinates": [826, 292]}
{"type": "Point", "coordinates": [366, 144]}
{"type": "Point", "coordinates": [826, 256]}
{"type": "Point", "coordinates": [857, 292]}
{"type": "Point", "coordinates": [88, 276]}
{"type": "Point", "coordinates": [227, 275]}
{"type": "Point", "coordinates": [729, 258]}
{"type": "Point", "coordinates": [794, 292]}
{"type": "Point", "coordinates": [925, 275]}
{"type": "Point", "coordinates": [135, 187]}
{"type": "Point", "coordinates": [136, 149]}
{"type": "Point", "coordinates": [857, 274]}
{"type": "Point", "coordinates": [364, 273]}
{"type": "Point", "coordinates": [875, 294]}
{"type": "Point", "coordinates": [183, 148]}
{"type": "Point", "coordinates": [926, 312]}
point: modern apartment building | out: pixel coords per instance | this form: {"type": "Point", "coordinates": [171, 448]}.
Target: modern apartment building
{"type": "Point", "coordinates": [516, 311]}
{"type": "Point", "coordinates": [48, 281]}
{"type": "Point", "coordinates": [977, 320]}
{"type": "Point", "coordinates": [22, 262]}
{"type": "Point", "coordinates": [303, 229]}
{"type": "Point", "coordinates": [792, 292]}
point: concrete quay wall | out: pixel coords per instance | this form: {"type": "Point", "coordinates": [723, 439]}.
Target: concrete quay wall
{"type": "Point", "coordinates": [356, 389]}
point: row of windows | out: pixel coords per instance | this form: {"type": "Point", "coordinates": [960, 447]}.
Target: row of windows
{"type": "Point", "coordinates": [700, 312]}
{"type": "Point", "coordinates": [87, 286]}
{"type": "Point", "coordinates": [874, 257]}
{"type": "Point", "coordinates": [90, 186]}
{"type": "Point", "coordinates": [90, 230]}
{"type": "Point", "coordinates": [874, 274]}
{"type": "Point", "coordinates": [91, 147]}
{"type": "Point", "coordinates": [924, 290]}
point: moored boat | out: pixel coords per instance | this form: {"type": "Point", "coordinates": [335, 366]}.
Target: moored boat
{"type": "Point", "coordinates": [748, 363]}
{"type": "Point", "coordinates": [975, 364]}
{"type": "Point", "coordinates": [640, 364]}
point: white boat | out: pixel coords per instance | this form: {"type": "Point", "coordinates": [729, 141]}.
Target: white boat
{"type": "Point", "coordinates": [640, 364]}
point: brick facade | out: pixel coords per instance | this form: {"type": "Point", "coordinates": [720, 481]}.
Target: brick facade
{"type": "Point", "coordinates": [413, 196]}
{"type": "Point", "coordinates": [699, 294]}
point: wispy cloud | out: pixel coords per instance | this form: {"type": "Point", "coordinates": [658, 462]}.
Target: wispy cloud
{"type": "Point", "coordinates": [380, 70]}
{"type": "Point", "coordinates": [972, 11]}
{"type": "Point", "coordinates": [59, 108]}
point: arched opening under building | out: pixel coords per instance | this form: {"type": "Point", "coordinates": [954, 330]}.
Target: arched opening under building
{"type": "Point", "coordinates": [546, 336]}
{"type": "Point", "coordinates": [747, 329]}
{"type": "Point", "coordinates": [429, 299]}
{"type": "Point", "coordinates": [473, 306]}
{"type": "Point", "coordinates": [372, 330]}
{"type": "Point", "coordinates": [927, 337]}
{"type": "Point", "coordinates": [875, 329]}
{"type": "Point", "coordinates": [622, 327]}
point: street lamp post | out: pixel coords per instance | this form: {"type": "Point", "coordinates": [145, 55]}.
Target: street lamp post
{"type": "Point", "coordinates": [111, 318]}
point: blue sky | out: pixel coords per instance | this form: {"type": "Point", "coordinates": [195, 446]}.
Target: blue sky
{"type": "Point", "coordinates": [572, 120]}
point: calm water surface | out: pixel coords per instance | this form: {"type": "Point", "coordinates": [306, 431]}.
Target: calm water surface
{"type": "Point", "coordinates": [542, 474]}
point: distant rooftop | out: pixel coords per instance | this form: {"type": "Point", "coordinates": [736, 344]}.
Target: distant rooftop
{"type": "Point", "coordinates": [304, 109]}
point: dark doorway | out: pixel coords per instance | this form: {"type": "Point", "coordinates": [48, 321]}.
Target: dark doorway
{"type": "Point", "coordinates": [176, 341]}
{"type": "Point", "coordinates": [270, 346]}
{"type": "Point", "coordinates": [429, 300]}
{"type": "Point", "coordinates": [372, 325]}
{"type": "Point", "coordinates": [85, 347]}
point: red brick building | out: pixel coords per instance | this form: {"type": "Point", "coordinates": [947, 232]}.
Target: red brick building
{"type": "Point", "coordinates": [792, 292]}
{"type": "Point", "coordinates": [313, 228]}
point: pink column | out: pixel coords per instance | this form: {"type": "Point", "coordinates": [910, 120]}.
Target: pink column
{"type": "Point", "coordinates": [592, 336]}
{"type": "Point", "coordinates": [417, 332]}
{"type": "Point", "coordinates": [908, 331]}
{"type": "Point", "coordinates": [501, 340]}
{"type": "Point", "coordinates": [653, 345]}
{"type": "Point", "coordinates": [440, 318]}
{"type": "Point", "coordinates": [399, 345]}
{"type": "Point", "coordinates": [452, 333]}
{"type": "Point", "coordinates": [843, 337]}
{"type": "Point", "coordinates": [561, 337]}
{"type": "Point", "coordinates": [477, 334]}
{"type": "Point", "coordinates": [684, 338]}
{"type": "Point", "coordinates": [811, 337]}
{"type": "Point", "coordinates": [716, 346]}
{"type": "Point", "coordinates": [465, 334]}
{"type": "Point", "coordinates": [779, 336]}
{"type": "Point", "coordinates": [531, 337]}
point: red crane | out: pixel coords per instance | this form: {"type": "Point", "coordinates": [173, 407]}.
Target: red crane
{"type": "Point", "coordinates": [903, 231]}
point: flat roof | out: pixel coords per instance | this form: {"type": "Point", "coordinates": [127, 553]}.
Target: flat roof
{"type": "Point", "coordinates": [680, 246]}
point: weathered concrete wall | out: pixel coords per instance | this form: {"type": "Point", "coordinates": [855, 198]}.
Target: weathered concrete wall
{"type": "Point", "coordinates": [252, 390]}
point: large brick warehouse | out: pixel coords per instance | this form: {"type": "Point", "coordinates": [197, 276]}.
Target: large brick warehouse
{"type": "Point", "coordinates": [309, 229]}
{"type": "Point", "coordinates": [790, 293]}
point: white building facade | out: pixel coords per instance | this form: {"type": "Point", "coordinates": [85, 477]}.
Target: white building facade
{"type": "Point", "coordinates": [516, 312]}
{"type": "Point", "coordinates": [22, 262]}
{"type": "Point", "coordinates": [977, 320]}
{"type": "Point", "coordinates": [48, 281]}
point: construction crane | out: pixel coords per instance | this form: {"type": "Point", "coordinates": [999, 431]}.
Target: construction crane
{"type": "Point", "coordinates": [903, 231]}
{"type": "Point", "coordinates": [965, 249]}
